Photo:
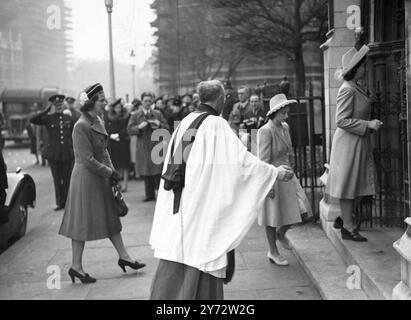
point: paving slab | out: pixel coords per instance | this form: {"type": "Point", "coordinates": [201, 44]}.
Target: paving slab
{"type": "Point", "coordinates": [23, 266]}
{"type": "Point", "coordinates": [322, 263]}
{"type": "Point", "coordinates": [376, 258]}
{"type": "Point", "coordinates": [293, 293]}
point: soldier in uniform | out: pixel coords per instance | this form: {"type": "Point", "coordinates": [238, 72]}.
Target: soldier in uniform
{"type": "Point", "coordinates": [59, 149]}
{"type": "Point", "coordinates": [70, 106]}
{"type": "Point", "coordinates": [240, 108]}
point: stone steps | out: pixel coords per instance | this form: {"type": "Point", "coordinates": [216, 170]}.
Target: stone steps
{"type": "Point", "coordinates": [376, 258]}
{"type": "Point", "coordinates": [322, 263]}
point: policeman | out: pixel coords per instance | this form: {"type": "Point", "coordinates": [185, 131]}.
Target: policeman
{"type": "Point", "coordinates": [70, 106]}
{"type": "Point", "coordinates": [59, 149]}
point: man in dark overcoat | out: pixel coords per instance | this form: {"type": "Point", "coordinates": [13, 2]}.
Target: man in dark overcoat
{"type": "Point", "coordinates": [142, 124]}
{"type": "Point", "coordinates": [59, 148]}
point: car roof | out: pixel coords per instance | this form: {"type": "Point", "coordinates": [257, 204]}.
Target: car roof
{"type": "Point", "coordinates": [27, 95]}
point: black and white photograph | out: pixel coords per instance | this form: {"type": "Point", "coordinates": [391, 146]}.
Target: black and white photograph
{"type": "Point", "coordinates": [223, 152]}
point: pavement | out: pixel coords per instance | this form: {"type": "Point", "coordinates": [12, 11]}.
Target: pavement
{"type": "Point", "coordinates": [25, 265]}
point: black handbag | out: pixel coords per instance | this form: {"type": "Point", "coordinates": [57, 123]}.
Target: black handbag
{"type": "Point", "coordinates": [121, 205]}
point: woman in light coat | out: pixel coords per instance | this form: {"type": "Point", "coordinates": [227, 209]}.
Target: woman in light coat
{"type": "Point", "coordinates": [286, 201]}
{"type": "Point", "coordinates": [91, 212]}
{"type": "Point", "coordinates": [352, 171]}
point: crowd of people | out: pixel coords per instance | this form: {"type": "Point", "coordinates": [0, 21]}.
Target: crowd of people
{"type": "Point", "coordinates": [91, 148]}
{"type": "Point", "coordinates": [241, 173]}
{"type": "Point", "coordinates": [130, 142]}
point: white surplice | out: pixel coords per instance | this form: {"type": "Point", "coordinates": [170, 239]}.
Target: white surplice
{"type": "Point", "coordinates": [225, 187]}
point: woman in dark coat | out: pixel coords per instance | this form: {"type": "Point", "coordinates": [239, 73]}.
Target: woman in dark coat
{"type": "Point", "coordinates": [116, 121]}
{"type": "Point", "coordinates": [91, 212]}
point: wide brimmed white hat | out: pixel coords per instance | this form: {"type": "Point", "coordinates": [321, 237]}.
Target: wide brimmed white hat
{"type": "Point", "coordinates": [279, 101]}
{"type": "Point", "coordinates": [350, 59]}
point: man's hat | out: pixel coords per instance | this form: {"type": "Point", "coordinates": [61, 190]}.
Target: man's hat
{"type": "Point", "coordinates": [116, 102]}
{"type": "Point", "coordinates": [136, 102]}
{"type": "Point", "coordinates": [57, 98]}
{"type": "Point", "coordinates": [177, 101]}
{"type": "Point", "coordinates": [70, 99]}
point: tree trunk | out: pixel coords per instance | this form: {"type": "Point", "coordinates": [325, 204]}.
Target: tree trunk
{"type": "Point", "coordinates": [299, 71]}
{"type": "Point", "coordinates": [299, 66]}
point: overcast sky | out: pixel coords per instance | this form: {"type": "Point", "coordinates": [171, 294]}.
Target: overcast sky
{"type": "Point", "coordinates": [131, 29]}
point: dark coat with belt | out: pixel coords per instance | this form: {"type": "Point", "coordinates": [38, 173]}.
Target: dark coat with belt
{"type": "Point", "coordinates": [145, 145]}
{"type": "Point", "coordinates": [59, 127]}
{"type": "Point", "coordinates": [91, 212]}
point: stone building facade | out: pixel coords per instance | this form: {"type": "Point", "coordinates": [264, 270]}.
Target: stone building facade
{"type": "Point", "coordinates": [11, 61]}
{"type": "Point", "coordinates": [387, 26]}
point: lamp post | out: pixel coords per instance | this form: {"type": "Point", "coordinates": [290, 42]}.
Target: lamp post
{"type": "Point", "coordinates": [133, 72]}
{"type": "Point", "coordinates": [109, 7]}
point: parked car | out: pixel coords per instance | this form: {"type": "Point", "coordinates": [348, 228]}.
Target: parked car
{"type": "Point", "coordinates": [21, 194]}
{"type": "Point", "coordinates": [16, 109]}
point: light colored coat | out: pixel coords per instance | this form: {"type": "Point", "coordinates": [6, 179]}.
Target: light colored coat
{"type": "Point", "coordinates": [90, 212]}
{"type": "Point", "coordinates": [352, 169]}
{"type": "Point", "coordinates": [274, 146]}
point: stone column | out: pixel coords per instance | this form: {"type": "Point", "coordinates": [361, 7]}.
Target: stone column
{"type": "Point", "coordinates": [402, 290]}
{"type": "Point", "coordinates": [339, 40]}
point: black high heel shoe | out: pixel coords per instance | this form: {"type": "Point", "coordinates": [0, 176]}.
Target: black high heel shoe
{"type": "Point", "coordinates": [133, 265]}
{"type": "Point", "coordinates": [354, 235]}
{"type": "Point", "coordinates": [83, 278]}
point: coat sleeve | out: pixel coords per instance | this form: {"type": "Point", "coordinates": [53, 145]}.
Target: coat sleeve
{"type": "Point", "coordinates": [84, 150]}
{"type": "Point", "coordinates": [41, 118]}
{"type": "Point", "coordinates": [232, 121]}
{"type": "Point", "coordinates": [163, 122]}
{"type": "Point", "coordinates": [132, 127]}
{"type": "Point", "coordinates": [345, 107]}
{"type": "Point", "coordinates": [123, 131]}
{"type": "Point", "coordinates": [264, 144]}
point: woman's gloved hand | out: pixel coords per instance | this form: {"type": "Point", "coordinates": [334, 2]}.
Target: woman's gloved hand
{"type": "Point", "coordinates": [115, 176]}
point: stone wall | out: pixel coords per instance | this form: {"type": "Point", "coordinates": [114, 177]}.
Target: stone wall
{"type": "Point", "coordinates": [340, 40]}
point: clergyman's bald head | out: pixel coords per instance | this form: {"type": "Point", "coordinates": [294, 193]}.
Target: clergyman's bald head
{"type": "Point", "coordinates": [210, 91]}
